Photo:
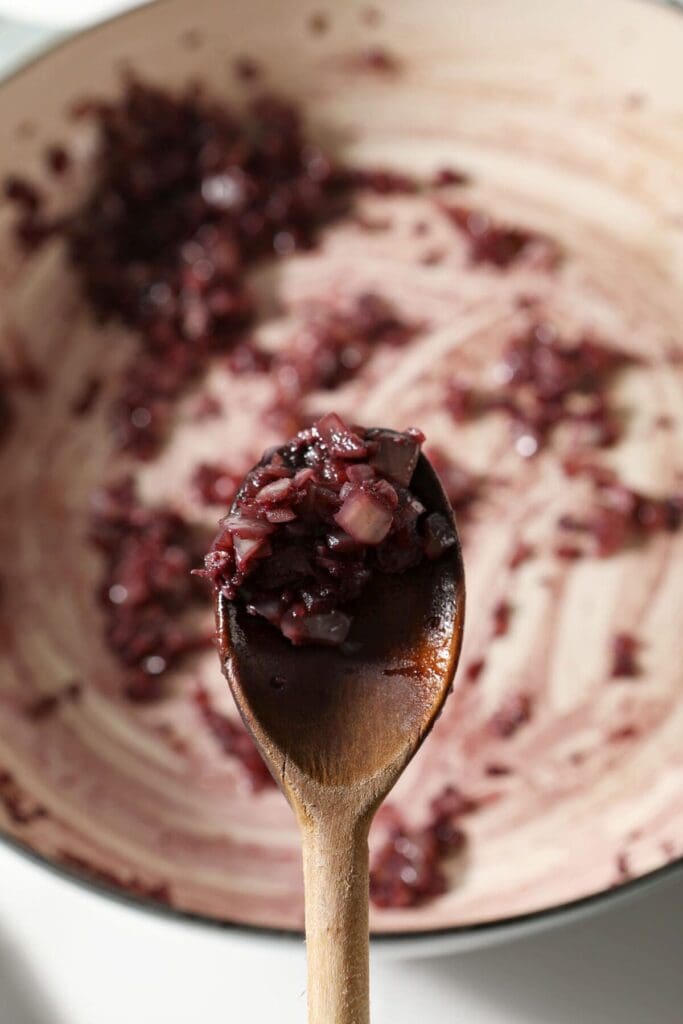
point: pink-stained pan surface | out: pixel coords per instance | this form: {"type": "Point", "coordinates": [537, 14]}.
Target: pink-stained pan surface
{"type": "Point", "coordinates": [569, 120]}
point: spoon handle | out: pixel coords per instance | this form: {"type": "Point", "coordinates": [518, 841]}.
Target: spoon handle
{"type": "Point", "coordinates": [336, 888]}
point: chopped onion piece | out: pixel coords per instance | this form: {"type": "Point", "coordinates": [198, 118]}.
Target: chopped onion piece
{"type": "Point", "coordinates": [249, 548]}
{"type": "Point", "coordinates": [302, 477]}
{"type": "Point", "coordinates": [364, 518]}
{"type": "Point", "coordinates": [274, 492]}
{"type": "Point", "coordinates": [439, 536]}
{"type": "Point", "coordinates": [341, 441]}
{"type": "Point", "coordinates": [242, 526]}
{"type": "Point", "coordinates": [283, 514]}
{"type": "Point", "coordinates": [396, 457]}
{"type": "Point", "coordinates": [357, 472]}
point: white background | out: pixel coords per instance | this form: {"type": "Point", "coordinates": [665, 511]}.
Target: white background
{"type": "Point", "coordinates": [70, 957]}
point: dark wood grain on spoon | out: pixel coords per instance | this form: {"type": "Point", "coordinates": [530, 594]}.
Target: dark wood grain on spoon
{"type": "Point", "coordinates": [337, 726]}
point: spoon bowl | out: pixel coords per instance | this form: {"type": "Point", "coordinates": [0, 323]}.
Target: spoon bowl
{"type": "Point", "coordinates": [354, 714]}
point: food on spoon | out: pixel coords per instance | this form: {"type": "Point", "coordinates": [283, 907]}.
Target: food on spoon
{"type": "Point", "coordinates": [315, 519]}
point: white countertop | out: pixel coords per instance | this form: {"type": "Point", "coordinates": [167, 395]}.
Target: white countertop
{"type": "Point", "coordinates": [70, 957]}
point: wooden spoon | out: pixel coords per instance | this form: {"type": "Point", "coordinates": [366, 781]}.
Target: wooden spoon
{"type": "Point", "coordinates": [337, 727]}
